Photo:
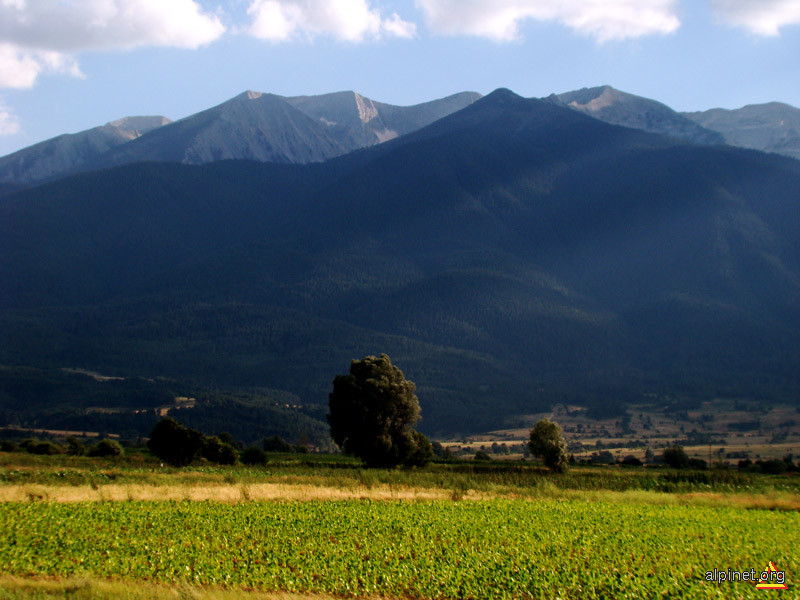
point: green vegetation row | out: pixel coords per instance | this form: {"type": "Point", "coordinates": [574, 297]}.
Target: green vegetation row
{"type": "Point", "coordinates": [523, 479]}
{"type": "Point", "coordinates": [496, 549]}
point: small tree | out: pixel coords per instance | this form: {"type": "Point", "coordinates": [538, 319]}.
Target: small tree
{"type": "Point", "coordinates": [676, 457]}
{"type": "Point", "coordinates": [372, 412]}
{"type": "Point", "coordinates": [216, 451]}
{"type": "Point", "coordinates": [438, 449]}
{"type": "Point", "coordinates": [423, 451]}
{"type": "Point", "coordinates": [482, 456]}
{"type": "Point", "coordinates": [547, 442]}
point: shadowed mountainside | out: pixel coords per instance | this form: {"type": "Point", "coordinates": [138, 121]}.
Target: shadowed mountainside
{"type": "Point", "coordinates": [508, 256]}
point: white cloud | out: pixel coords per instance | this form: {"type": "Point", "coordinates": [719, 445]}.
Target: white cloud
{"type": "Point", "coordinates": [9, 125]}
{"type": "Point", "coordinates": [762, 17]}
{"type": "Point", "coordinates": [44, 35]}
{"type": "Point", "coordinates": [603, 20]}
{"type": "Point", "coordinates": [397, 27]}
{"type": "Point", "coordinates": [18, 69]}
{"type": "Point", "coordinates": [106, 24]}
{"type": "Point", "coordinates": [348, 20]}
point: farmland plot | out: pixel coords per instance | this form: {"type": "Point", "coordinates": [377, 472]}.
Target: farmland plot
{"type": "Point", "coordinates": [443, 549]}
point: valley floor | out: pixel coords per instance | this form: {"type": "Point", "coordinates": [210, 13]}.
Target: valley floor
{"type": "Point", "coordinates": [129, 529]}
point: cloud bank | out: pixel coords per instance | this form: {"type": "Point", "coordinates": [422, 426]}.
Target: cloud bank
{"type": "Point", "coordinates": [9, 125]}
{"type": "Point", "coordinates": [39, 36]}
{"type": "Point", "coordinates": [46, 36]}
{"type": "Point", "coordinates": [346, 20]}
{"type": "Point", "coordinates": [603, 20]}
{"type": "Point", "coordinates": [762, 17]}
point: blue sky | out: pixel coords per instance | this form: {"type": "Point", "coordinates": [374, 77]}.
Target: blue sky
{"type": "Point", "coordinates": [68, 65]}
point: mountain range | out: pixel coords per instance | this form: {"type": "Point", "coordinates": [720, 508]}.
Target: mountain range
{"type": "Point", "coordinates": [303, 129]}
{"type": "Point", "coordinates": [512, 254]}
{"type": "Point", "coordinates": [772, 127]}
{"type": "Point", "coordinates": [252, 126]}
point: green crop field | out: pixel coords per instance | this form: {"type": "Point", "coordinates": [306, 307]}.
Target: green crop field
{"type": "Point", "coordinates": [443, 549]}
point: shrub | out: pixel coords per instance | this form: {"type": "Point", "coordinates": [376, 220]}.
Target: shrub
{"type": "Point", "coordinates": [75, 447]}
{"type": "Point", "coordinates": [631, 461]}
{"type": "Point", "coordinates": [604, 457]}
{"type": "Point", "coordinates": [28, 443]}
{"type": "Point", "coordinates": [9, 446]}
{"type": "Point", "coordinates": [253, 456]}
{"type": "Point", "coordinates": [698, 463]}
{"type": "Point", "coordinates": [105, 448]}
{"type": "Point", "coordinates": [47, 448]}
{"type": "Point", "coordinates": [771, 467]}
{"type": "Point", "coordinates": [216, 451]}
{"type": "Point", "coordinates": [276, 444]}
{"type": "Point", "coordinates": [482, 456]}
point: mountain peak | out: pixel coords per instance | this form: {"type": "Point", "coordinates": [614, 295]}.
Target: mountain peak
{"type": "Point", "coordinates": [503, 95]}
{"type": "Point", "coordinates": [593, 98]}
{"type": "Point", "coordinates": [246, 95]}
{"type": "Point", "coordinates": [621, 108]}
{"type": "Point", "coordinates": [503, 99]}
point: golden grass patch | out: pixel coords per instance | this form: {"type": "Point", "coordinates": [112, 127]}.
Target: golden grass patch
{"type": "Point", "coordinates": [230, 493]}
{"type": "Point", "coordinates": [250, 492]}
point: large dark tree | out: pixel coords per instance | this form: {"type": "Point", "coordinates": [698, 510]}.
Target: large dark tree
{"type": "Point", "coordinates": [174, 443]}
{"type": "Point", "coordinates": [372, 413]}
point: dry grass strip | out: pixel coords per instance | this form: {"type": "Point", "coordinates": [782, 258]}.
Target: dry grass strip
{"type": "Point", "coordinates": [233, 493]}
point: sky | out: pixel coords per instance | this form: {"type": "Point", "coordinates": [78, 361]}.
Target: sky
{"type": "Point", "coordinates": [69, 65]}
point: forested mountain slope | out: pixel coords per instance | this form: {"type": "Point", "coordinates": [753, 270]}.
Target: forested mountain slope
{"type": "Point", "coordinates": [510, 255]}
